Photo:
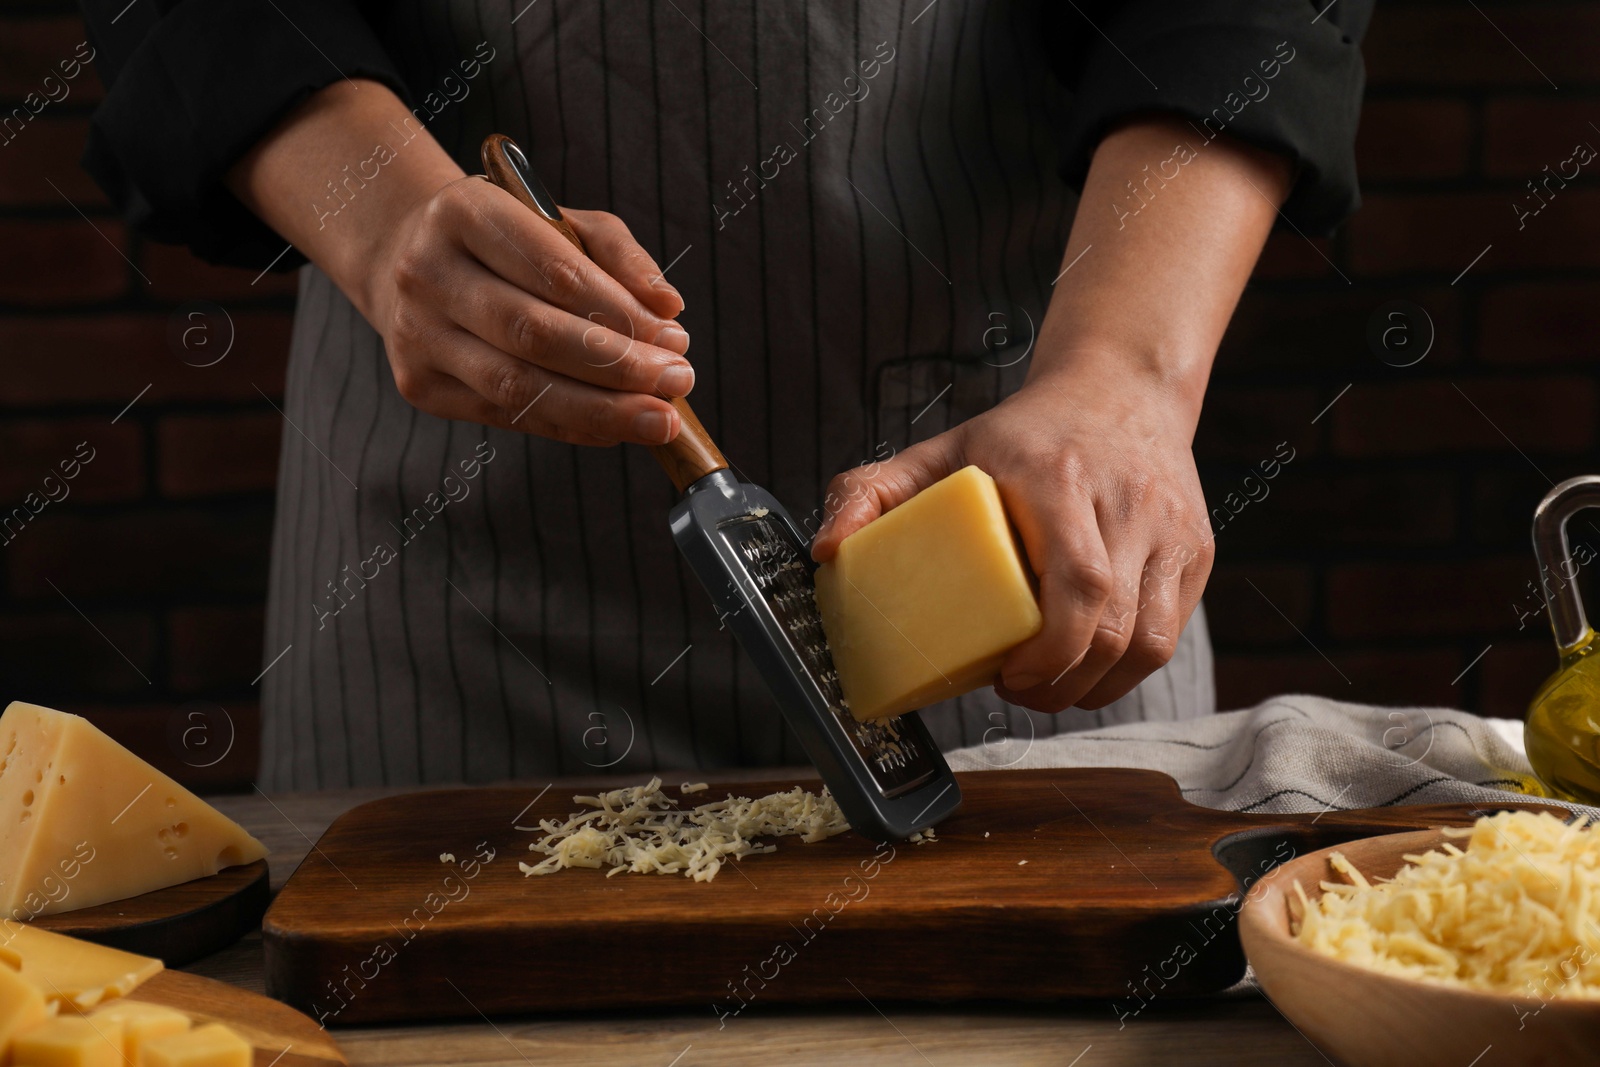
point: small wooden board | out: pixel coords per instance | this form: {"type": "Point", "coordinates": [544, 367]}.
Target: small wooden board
{"type": "Point", "coordinates": [178, 924]}
{"type": "Point", "coordinates": [1119, 871]}
{"type": "Point", "coordinates": [279, 1035]}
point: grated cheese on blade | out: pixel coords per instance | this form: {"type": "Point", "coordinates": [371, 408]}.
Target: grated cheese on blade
{"type": "Point", "coordinates": [642, 830]}
{"type": "Point", "coordinates": [693, 787]}
{"type": "Point", "coordinates": [1517, 912]}
{"type": "Point", "coordinates": [447, 857]}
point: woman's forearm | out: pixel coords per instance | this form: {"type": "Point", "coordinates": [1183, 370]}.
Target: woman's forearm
{"type": "Point", "coordinates": [1166, 234]}
{"type": "Point", "coordinates": [334, 175]}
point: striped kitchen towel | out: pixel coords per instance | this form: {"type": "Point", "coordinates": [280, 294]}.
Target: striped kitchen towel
{"type": "Point", "coordinates": [1294, 753]}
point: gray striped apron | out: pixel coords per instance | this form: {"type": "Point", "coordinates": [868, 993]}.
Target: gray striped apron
{"type": "Point", "coordinates": [860, 205]}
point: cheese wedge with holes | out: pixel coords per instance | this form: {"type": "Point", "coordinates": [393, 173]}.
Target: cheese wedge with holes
{"type": "Point", "coordinates": [71, 974]}
{"type": "Point", "coordinates": [923, 603]}
{"type": "Point", "coordinates": [84, 821]}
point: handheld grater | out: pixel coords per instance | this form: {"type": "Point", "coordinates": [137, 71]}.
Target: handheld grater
{"type": "Point", "coordinates": [888, 776]}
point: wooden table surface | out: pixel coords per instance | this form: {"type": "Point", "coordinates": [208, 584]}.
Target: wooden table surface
{"type": "Point", "coordinates": [1238, 1029]}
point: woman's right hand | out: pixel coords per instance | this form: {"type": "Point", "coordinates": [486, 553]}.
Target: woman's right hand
{"type": "Point", "coordinates": [489, 314]}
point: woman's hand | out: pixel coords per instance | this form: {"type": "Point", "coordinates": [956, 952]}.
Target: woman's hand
{"type": "Point", "coordinates": [489, 314]}
{"type": "Point", "coordinates": [1093, 455]}
{"type": "Point", "coordinates": [1101, 485]}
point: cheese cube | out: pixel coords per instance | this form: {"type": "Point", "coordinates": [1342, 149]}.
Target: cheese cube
{"type": "Point", "coordinates": [77, 975]}
{"type": "Point", "coordinates": [142, 1023]}
{"type": "Point", "coordinates": [70, 1041]}
{"type": "Point", "coordinates": [212, 1045]}
{"type": "Point", "coordinates": [84, 821]}
{"type": "Point", "coordinates": [923, 603]}
{"type": "Point", "coordinates": [21, 1008]}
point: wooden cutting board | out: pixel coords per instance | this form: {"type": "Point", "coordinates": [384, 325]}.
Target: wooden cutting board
{"type": "Point", "coordinates": [178, 924]}
{"type": "Point", "coordinates": [1046, 884]}
{"type": "Point", "coordinates": [280, 1036]}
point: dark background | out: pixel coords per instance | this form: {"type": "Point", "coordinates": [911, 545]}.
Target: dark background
{"type": "Point", "coordinates": [1380, 564]}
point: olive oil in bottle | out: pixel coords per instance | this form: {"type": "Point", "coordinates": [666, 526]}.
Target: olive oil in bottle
{"type": "Point", "coordinates": [1562, 733]}
{"type": "Point", "coordinates": [1563, 729]}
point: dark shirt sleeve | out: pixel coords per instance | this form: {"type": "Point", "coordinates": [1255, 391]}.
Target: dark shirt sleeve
{"type": "Point", "coordinates": [1273, 73]}
{"type": "Point", "coordinates": [191, 86]}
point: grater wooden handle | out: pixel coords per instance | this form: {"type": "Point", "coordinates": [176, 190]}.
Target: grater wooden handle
{"type": "Point", "coordinates": [692, 454]}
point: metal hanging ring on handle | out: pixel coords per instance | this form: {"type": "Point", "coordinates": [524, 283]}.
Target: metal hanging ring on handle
{"type": "Point", "coordinates": [508, 167]}
{"type": "Point", "coordinates": [1557, 575]}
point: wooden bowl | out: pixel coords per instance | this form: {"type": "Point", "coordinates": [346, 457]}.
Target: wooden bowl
{"type": "Point", "coordinates": [1366, 1019]}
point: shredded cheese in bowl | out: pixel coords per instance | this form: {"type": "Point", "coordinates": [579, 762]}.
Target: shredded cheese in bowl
{"type": "Point", "coordinates": [642, 830]}
{"type": "Point", "coordinates": [1516, 912]}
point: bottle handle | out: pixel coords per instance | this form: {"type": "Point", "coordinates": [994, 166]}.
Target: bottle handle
{"type": "Point", "coordinates": [1557, 574]}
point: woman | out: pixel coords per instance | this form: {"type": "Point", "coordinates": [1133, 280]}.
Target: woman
{"type": "Point", "coordinates": [862, 214]}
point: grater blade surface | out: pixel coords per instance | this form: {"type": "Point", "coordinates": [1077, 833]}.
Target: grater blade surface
{"type": "Point", "coordinates": [778, 574]}
{"type": "Point", "coordinates": [889, 777]}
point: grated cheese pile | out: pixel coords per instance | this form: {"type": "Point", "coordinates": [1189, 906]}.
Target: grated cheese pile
{"type": "Point", "coordinates": [1517, 912]}
{"type": "Point", "coordinates": [642, 830]}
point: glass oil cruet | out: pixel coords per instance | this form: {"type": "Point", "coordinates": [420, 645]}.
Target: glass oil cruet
{"type": "Point", "coordinates": [1563, 728]}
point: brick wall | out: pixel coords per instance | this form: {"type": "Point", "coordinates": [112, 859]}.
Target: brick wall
{"type": "Point", "coordinates": [1377, 564]}
{"type": "Point", "coordinates": [135, 597]}
{"type": "Point", "coordinates": [1382, 562]}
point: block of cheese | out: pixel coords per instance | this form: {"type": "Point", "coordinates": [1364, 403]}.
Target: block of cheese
{"type": "Point", "coordinates": [924, 602]}
{"type": "Point", "coordinates": [22, 1008]}
{"type": "Point", "coordinates": [75, 974]}
{"type": "Point", "coordinates": [84, 821]}
{"type": "Point", "coordinates": [142, 1024]}
{"type": "Point", "coordinates": [211, 1045]}
{"type": "Point", "coordinates": [70, 1041]}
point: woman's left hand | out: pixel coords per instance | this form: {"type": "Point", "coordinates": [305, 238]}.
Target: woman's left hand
{"type": "Point", "coordinates": [1092, 454]}
{"type": "Point", "coordinates": [1101, 485]}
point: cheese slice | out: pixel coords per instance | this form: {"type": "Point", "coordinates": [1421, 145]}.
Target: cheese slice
{"type": "Point", "coordinates": [72, 974]}
{"type": "Point", "coordinates": [142, 1024]}
{"type": "Point", "coordinates": [84, 821]}
{"type": "Point", "coordinates": [923, 603]}
{"type": "Point", "coordinates": [211, 1045]}
{"type": "Point", "coordinates": [70, 1041]}
{"type": "Point", "coordinates": [22, 1008]}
